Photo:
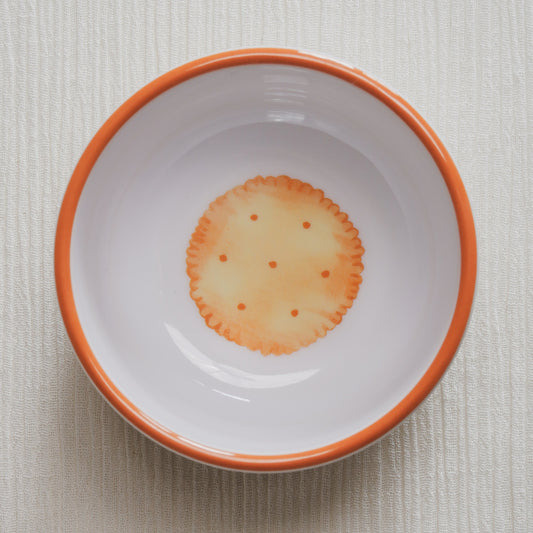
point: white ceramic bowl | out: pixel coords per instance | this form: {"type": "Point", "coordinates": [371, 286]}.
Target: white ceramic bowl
{"type": "Point", "coordinates": [136, 197]}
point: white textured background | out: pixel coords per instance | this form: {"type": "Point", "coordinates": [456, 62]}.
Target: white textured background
{"type": "Point", "coordinates": [462, 462]}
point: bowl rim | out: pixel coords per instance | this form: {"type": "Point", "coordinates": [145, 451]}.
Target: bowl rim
{"type": "Point", "coordinates": [307, 458]}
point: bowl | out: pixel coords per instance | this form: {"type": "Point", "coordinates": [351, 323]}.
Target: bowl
{"type": "Point", "coordinates": [171, 301]}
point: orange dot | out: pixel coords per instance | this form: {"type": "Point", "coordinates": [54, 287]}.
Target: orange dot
{"type": "Point", "coordinates": [241, 307]}
{"type": "Point", "coordinates": [223, 257]}
{"type": "Point", "coordinates": [325, 274]}
{"type": "Point", "coordinates": [294, 312]}
{"type": "Point", "coordinates": [306, 225]}
{"type": "Point", "coordinates": [253, 217]}
{"type": "Point", "coordinates": [273, 264]}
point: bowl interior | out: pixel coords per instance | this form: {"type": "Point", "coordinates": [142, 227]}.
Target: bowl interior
{"type": "Point", "coordinates": [143, 199]}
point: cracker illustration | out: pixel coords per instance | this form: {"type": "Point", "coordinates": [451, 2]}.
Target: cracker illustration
{"type": "Point", "coordinates": [274, 264]}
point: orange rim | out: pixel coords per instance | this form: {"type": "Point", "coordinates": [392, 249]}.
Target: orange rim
{"type": "Point", "coordinates": [332, 451]}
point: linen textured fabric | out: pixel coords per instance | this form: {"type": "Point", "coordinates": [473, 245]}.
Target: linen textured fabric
{"type": "Point", "coordinates": [462, 462]}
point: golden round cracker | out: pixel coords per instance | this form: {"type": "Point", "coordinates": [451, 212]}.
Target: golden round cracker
{"type": "Point", "coordinates": [274, 264]}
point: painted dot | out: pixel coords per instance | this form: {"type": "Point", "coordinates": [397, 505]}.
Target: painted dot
{"type": "Point", "coordinates": [273, 264]}
{"type": "Point", "coordinates": [253, 217]}
{"type": "Point", "coordinates": [223, 258]}
{"type": "Point", "coordinates": [306, 225]}
{"type": "Point", "coordinates": [241, 307]}
{"type": "Point", "coordinates": [294, 312]}
{"type": "Point", "coordinates": [325, 274]}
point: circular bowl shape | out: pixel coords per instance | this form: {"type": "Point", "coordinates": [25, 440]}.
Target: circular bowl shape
{"type": "Point", "coordinates": [125, 232]}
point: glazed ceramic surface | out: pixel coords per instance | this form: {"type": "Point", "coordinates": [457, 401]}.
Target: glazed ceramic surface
{"type": "Point", "coordinates": [130, 291]}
